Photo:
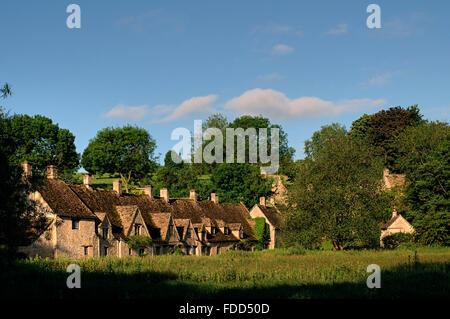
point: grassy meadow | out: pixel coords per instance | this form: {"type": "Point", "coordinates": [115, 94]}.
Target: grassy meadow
{"type": "Point", "coordinates": [423, 273]}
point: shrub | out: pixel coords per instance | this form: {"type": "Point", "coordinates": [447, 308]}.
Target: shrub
{"type": "Point", "coordinates": [262, 232]}
{"type": "Point", "coordinates": [139, 242]}
{"type": "Point", "coordinates": [243, 244]}
{"type": "Point", "coordinates": [394, 240]}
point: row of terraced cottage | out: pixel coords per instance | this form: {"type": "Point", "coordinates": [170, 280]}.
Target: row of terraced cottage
{"type": "Point", "coordinates": [84, 221]}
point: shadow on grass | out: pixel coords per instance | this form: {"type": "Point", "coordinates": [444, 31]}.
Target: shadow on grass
{"type": "Point", "coordinates": [27, 281]}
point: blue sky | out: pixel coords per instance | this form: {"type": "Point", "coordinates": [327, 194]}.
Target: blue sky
{"type": "Point", "coordinates": [162, 64]}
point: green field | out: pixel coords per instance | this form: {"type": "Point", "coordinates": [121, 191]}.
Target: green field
{"type": "Point", "coordinates": [423, 273]}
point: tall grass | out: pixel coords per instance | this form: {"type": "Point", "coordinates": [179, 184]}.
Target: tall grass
{"type": "Point", "coordinates": [275, 274]}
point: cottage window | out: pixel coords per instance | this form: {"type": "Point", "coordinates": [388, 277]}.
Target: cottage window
{"type": "Point", "coordinates": [105, 251]}
{"type": "Point", "coordinates": [105, 233]}
{"type": "Point", "coordinates": [188, 250]}
{"type": "Point", "coordinates": [141, 251]}
{"type": "Point", "coordinates": [137, 229]}
{"type": "Point", "coordinates": [75, 224]}
{"type": "Point", "coordinates": [129, 251]}
{"type": "Point", "coordinates": [86, 250]}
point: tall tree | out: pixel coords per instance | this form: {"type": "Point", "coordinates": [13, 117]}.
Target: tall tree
{"type": "Point", "coordinates": [423, 154]}
{"type": "Point", "coordinates": [20, 220]}
{"type": "Point", "coordinates": [240, 183]}
{"type": "Point", "coordinates": [337, 195]}
{"type": "Point", "coordinates": [382, 129]}
{"type": "Point", "coordinates": [42, 142]}
{"type": "Point", "coordinates": [127, 151]}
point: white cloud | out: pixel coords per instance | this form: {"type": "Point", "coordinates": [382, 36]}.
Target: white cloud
{"type": "Point", "coordinates": [338, 29]}
{"type": "Point", "coordinates": [127, 112]}
{"type": "Point", "coordinates": [282, 49]}
{"type": "Point", "coordinates": [276, 105]}
{"type": "Point", "coordinates": [193, 106]}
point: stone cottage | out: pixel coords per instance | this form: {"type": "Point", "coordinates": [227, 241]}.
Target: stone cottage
{"type": "Point", "coordinates": [397, 224]}
{"type": "Point", "coordinates": [272, 217]}
{"type": "Point", "coordinates": [85, 221]}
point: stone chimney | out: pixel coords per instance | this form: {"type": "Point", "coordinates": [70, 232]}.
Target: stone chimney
{"type": "Point", "coordinates": [27, 169]}
{"type": "Point", "coordinates": [87, 180]}
{"type": "Point", "coordinates": [148, 190]}
{"type": "Point", "coordinates": [117, 186]}
{"type": "Point", "coordinates": [193, 194]}
{"type": "Point", "coordinates": [394, 212]}
{"type": "Point", "coordinates": [164, 194]}
{"type": "Point", "coordinates": [52, 172]}
{"type": "Point", "coordinates": [262, 201]}
{"type": "Point", "coordinates": [215, 198]}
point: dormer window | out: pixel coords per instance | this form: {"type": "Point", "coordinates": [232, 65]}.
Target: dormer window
{"type": "Point", "coordinates": [188, 233]}
{"type": "Point", "coordinates": [137, 229]}
{"type": "Point", "coordinates": [226, 230]}
{"type": "Point", "coordinates": [170, 229]}
{"type": "Point", "coordinates": [105, 233]}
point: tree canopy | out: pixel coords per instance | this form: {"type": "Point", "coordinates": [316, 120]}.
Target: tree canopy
{"type": "Point", "coordinates": [20, 220]}
{"type": "Point", "coordinates": [337, 194]}
{"type": "Point", "coordinates": [41, 142]}
{"type": "Point", "coordinates": [128, 151]}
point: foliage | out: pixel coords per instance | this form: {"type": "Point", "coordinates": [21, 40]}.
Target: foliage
{"type": "Point", "coordinates": [126, 150]}
{"type": "Point", "coordinates": [236, 183]}
{"type": "Point", "coordinates": [174, 251]}
{"type": "Point", "coordinates": [261, 230]}
{"type": "Point", "coordinates": [268, 274]}
{"type": "Point", "coordinates": [38, 140]}
{"type": "Point", "coordinates": [394, 240]}
{"type": "Point", "coordinates": [337, 195]}
{"type": "Point", "coordinates": [243, 244]}
{"type": "Point", "coordinates": [20, 219]}
{"type": "Point", "coordinates": [381, 129]}
{"type": "Point", "coordinates": [425, 158]}
{"type": "Point", "coordinates": [139, 242]}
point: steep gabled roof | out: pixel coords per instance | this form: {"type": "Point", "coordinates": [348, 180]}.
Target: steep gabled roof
{"type": "Point", "coordinates": [100, 200]}
{"type": "Point", "coordinates": [272, 215]}
{"type": "Point", "coordinates": [127, 215]}
{"type": "Point", "coordinates": [63, 201]}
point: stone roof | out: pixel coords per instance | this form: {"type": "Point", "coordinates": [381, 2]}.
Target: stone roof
{"type": "Point", "coordinates": [63, 201]}
{"type": "Point", "coordinates": [161, 221]}
{"type": "Point", "coordinates": [272, 215]}
{"type": "Point", "coordinates": [81, 201]}
{"type": "Point", "coordinates": [126, 214]}
{"type": "Point", "coordinates": [390, 222]}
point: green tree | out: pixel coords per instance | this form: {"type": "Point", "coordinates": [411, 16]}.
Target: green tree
{"type": "Point", "coordinates": [382, 129]}
{"type": "Point", "coordinates": [258, 122]}
{"type": "Point", "coordinates": [128, 151]}
{"type": "Point", "coordinates": [424, 157]}
{"type": "Point", "coordinates": [337, 195]}
{"type": "Point", "coordinates": [236, 182]}
{"type": "Point", "coordinates": [20, 220]}
{"type": "Point", "coordinates": [42, 142]}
